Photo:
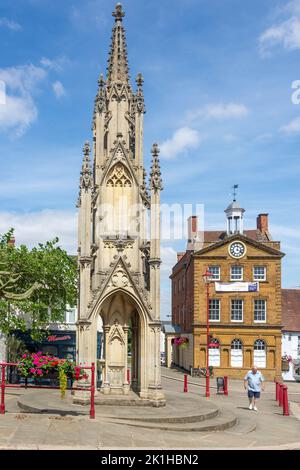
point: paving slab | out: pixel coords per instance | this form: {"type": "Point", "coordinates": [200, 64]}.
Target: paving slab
{"type": "Point", "coordinates": [266, 429]}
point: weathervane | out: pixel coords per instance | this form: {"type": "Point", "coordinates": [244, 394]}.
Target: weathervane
{"type": "Point", "coordinates": [235, 187]}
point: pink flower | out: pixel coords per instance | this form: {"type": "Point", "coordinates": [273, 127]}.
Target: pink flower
{"type": "Point", "coordinates": [32, 371]}
{"type": "Point", "coordinates": [39, 372]}
{"type": "Point", "coordinates": [24, 356]}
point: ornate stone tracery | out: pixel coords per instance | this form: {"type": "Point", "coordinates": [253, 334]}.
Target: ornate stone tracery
{"type": "Point", "coordinates": [119, 177]}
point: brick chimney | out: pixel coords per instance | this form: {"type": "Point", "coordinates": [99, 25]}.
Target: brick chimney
{"type": "Point", "coordinates": [194, 240]}
{"type": "Point", "coordinates": [192, 227]}
{"type": "Point", "coordinates": [263, 223]}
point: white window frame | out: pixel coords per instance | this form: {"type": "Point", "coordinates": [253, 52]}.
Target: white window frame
{"type": "Point", "coordinates": [212, 356]}
{"type": "Point", "coordinates": [232, 278]}
{"type": "Point", "coordinates": [258, 359]}
{"type": "Point", "coordinates": [260, 321]}
{"type": "Point", "coordinates": [215, 277]}
{"type": "Point", "coordinates": [259, 279]}
{"type": "Point", "coordinates": [67, 315]}
{"type": "Point", "coordinates": [219, 319]}
{"type": "Point", "coordinates": [237, 321]}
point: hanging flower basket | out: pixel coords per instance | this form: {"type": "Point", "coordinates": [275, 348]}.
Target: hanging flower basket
{"type": "Point", "coordinates": [37, 365]}
{"type": "Point", "coordinates": [181, 342]}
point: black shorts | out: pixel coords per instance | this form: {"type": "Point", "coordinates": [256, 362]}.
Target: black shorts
{"type": "Point", "coordinates": [252, 394]}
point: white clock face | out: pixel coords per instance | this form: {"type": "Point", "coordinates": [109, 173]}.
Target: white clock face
{"type": "Point", "coordinates": [237, 249]}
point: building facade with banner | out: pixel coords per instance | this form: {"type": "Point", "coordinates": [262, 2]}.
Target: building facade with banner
{"type": "Point", "coordinates": [244, 298]}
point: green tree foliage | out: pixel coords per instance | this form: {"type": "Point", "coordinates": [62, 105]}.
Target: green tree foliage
{"type": "Point", "coordinates": [35, 285]}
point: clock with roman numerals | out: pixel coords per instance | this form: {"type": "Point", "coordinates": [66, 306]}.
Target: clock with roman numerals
{"type": "Point", "coordinates": [237, 249]}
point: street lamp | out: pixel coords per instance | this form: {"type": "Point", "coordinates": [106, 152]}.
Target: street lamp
{"type": "Point", "coordinates": [207, 278]}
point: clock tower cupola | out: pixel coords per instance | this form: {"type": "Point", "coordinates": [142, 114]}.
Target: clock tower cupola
{"type": "Point", "coordinates": [235, 215]}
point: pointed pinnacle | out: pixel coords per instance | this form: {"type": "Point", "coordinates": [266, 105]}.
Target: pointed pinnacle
{"type": "Point", "coordinates": [139, 80]}
{"type": "Point", "coordinates": [101, 81]}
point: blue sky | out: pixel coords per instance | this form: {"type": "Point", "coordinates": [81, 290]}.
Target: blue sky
{"type": "Point", "coordinates": [218, 89]}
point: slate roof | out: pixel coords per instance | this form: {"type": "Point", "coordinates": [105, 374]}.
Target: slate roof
{"type": "Point", "coordinates": [291, 310]}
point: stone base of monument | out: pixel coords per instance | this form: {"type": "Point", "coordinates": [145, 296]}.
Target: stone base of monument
{"type": "Point", "coordinates": [181, 413]}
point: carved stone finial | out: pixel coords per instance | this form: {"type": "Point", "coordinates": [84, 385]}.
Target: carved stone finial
{"type": "Point", "coordinates": [119, 12]}
{"type": "Point", "coordinates": [101, 81]}
{"type": "Point", "coordinates": [139, 80]}
{"type": "Point", "coordinates": [155, 150]}
{"type": "Point", "coordinates": [155, 175]}
{"type": "Point", "coordinates": [86, 149]}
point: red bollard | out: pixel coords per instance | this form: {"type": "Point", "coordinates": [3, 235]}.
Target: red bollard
{"type": "Point", "coordinates": [185, 384]}
{"type": "Point", "coordinates": [128, 376]}
{"type": "Point", "coordinates": [280, 394]}
{"type": "Point", "coordinates": [2, 407]}
{"type": "Point", "coordinates": [277, 390]}
{"type": "Point", "coordinates": [285, 401]}
{"type": "Point", "coordinates": [226, 385]}
{"type": "Point", "coordinates": [92, 410]}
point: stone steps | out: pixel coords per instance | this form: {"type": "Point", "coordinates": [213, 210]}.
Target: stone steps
{"type": "Point", "coordinates": [192, 418]}
{"type": "Point", "coordinates": [224, 420]}
{"type": "Point", "coordinates": [242, 427]}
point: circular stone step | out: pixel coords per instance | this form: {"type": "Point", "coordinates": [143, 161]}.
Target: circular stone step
{"type": "Point", "coordinates": [225, 420]}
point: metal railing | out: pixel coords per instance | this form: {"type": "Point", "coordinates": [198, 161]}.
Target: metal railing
{"type": "Point", "coordinates": [5, 385]}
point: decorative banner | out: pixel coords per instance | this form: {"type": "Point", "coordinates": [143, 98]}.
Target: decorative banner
{"type": "Point", "coordinates": [237, 286]}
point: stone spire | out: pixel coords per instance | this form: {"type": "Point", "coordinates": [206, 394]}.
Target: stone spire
{"type": "Point", "coordinates": [86, 178]}
{"type": "Point", "coordinates": [117, 70]}
{"type": "Point", "coordinates": [155, 174]}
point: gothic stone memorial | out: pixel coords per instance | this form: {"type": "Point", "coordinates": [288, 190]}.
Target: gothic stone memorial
{"type": "Point", "coordinates": [119, 266]}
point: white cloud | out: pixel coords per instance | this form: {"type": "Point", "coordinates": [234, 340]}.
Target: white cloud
{"type": "Point", "coordinates": [19, 110]}
{"type": "Point", "coordinates": [54, 64]}
{"type": "Point", "coordinates": [219, 111]}
{"type": "Point", "coordinates": [183, 139]}
{"type": "Point", "coordinates": [285, 33]}
{"type": "Point", "coordinates": [292, 127]}
{"type": "Point", "coordinates": [58, 89]}
{"type": "Point", "coordinates": [10, 24]}
{"type": "Point", "coordinates": [32, 228]}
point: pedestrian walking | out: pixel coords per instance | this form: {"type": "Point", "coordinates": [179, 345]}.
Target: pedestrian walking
{"type": "Point", "coordinates": [254, 382]}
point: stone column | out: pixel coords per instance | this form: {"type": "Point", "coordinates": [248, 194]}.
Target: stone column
{"type": "Point", "coordinates": [126, 385]}
{"type": "Point", "coordinates": [106, 384]}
